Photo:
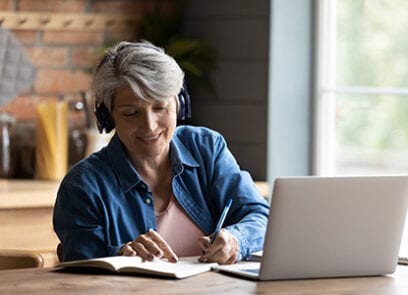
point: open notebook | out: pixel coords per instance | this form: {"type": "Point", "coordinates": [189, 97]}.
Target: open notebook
{"type": "Point", "coordinates": [185, 267]}
{"type": "Point", "coordinates": [331, 227]}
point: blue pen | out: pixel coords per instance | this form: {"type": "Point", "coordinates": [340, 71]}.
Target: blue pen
{"type": "Point", "coordinates": [222, 219]}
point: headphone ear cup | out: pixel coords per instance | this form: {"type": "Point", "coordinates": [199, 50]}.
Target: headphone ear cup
{"type": "Point", "coordinates": [184, 103]}
{"type": "Point", "coordinates": [103, 118]}
{"type": "Point", "coordinates": [182, 107]}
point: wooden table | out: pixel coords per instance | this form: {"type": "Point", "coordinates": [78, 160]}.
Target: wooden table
{"type": "Point", "coordinates": [49, 281]}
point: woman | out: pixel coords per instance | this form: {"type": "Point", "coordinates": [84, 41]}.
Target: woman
{"type": "Point", "coordinates": [156, 190]}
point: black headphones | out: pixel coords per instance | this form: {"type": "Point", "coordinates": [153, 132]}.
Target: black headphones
{"type": "Point", "coordinates": [103, 117]}
{"type": "Point", "coordinates": [104, 120]}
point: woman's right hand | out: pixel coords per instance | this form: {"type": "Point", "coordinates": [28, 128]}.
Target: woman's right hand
{"type": "Point", "coordinates": [149, 246]}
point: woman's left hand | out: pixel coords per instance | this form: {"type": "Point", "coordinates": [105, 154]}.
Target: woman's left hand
{"type": "Point", "coordinates": [224, 249]}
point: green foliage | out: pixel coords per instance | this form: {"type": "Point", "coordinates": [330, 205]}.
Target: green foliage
{"type": "Point", "coordinates": [372, 51]}
{"type": "Point", "coordinates": [370, 42]}
{"type": "Point", "coordinates": [196, 57]}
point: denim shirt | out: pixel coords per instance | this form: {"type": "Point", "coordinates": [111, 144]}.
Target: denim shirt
{"type": "Point", "coordinates": [103, 203]}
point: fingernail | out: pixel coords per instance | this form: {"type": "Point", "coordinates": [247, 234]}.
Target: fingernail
{"type": "Point", "coordinates": [202, 259]}
{"type": "Point", "coordinates": [150, 257]}
{"type": "Point", "coordinates": [205, 256]}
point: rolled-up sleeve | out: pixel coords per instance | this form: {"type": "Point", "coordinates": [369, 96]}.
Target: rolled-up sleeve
{"type": "Point", "coordinates": [247, 219]}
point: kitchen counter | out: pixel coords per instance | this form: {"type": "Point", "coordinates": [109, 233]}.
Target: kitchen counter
{"type": "Point", "coordinates": [16, 194]}
{"type": "Point", "coordinates": [26, 208]}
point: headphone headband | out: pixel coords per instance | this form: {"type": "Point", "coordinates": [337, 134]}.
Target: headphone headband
{"type": "Point", "coordinates": [102, 113]}
{"type": "Point", "coordinates": [105, 122]}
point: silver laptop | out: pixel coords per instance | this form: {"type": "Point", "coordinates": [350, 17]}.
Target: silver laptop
{"type": "Point", "coordinates": [323, 227]}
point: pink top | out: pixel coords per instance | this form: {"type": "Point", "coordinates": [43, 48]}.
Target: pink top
{"type": "Point", "coordinates": [178, 230]}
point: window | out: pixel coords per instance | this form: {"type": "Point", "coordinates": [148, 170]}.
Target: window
{"type": "Point", "coordinates": [362, 87]}
{"type": "Point", "coordinates": [361, 124]}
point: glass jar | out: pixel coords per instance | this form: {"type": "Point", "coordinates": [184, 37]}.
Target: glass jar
{"type": "Point", "coordinates": [8, 157]}
{"type": "Point", "coordinates": [76, 145]}
{"type": "Point", "coordinates": [26, 139]}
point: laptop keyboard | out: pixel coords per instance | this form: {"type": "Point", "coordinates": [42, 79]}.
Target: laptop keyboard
{"type": "Point", "coordinates": [251, 270]}
{"type": "Point", "coordinates": [403, 260]}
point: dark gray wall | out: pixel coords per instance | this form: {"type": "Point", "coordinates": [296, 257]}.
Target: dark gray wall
{"type": "Point", "coordinates": [239, 30]}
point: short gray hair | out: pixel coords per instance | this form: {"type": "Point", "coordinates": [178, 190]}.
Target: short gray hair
{"type": "Point", "coordinates": [150, 72]}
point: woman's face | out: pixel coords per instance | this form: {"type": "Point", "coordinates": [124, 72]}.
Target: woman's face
{"type": "Point", "coordinates": [144, 127]}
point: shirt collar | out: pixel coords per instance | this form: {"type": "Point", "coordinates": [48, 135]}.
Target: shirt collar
{"type": "Point", "coordinates": [127, 174]}
{"type": "Point", "coordinates": [180, 154]}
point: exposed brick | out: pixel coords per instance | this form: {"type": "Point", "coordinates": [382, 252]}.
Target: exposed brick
{"type": "Point", "coordinates": [138, 7]}
{"type": "Point", "coordinates": [60, 81]}
{"type": "Point", "coordinates": [67, 6]}
{"type": "Point", "coordinates": [24, 107]}
{"type": "Point", "coordinates": [86, 56]}
{"type": "Point", "coordinates": [25, 37]}
{"type": "Point", "coordinates": [48, 56]}
{"type": "Point", "coordinates": [6, 4]}
{"type": "Point", "coordinates": [63, 57]}
{"type": "Point", "coordinates": [72, 38]}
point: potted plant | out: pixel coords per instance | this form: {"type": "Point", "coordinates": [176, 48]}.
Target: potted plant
{"type": "Point", "coordinates": [196, 57]}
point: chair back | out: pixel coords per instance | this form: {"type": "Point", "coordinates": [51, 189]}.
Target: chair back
{"type": "Point", "coordinates": [60, 252]}
{"type": "Point", "coordinates": [12, 259]}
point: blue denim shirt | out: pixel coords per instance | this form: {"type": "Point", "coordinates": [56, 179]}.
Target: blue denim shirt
{"type": "Point", "coordinates": [103, 203]}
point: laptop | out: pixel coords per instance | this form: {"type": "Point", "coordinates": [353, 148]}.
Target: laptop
{"type": "Point", "coordinates": [321, 227]}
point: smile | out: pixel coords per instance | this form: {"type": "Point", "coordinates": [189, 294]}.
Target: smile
{"type": "Point", "coordinates": [150, 139]}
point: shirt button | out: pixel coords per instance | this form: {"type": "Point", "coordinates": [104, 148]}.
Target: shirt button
{"type": "Point", "coordinates": [148, 201]}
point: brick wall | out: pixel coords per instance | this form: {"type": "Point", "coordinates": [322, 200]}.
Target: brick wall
{"type": "Point", "coordinates": [64, 59]}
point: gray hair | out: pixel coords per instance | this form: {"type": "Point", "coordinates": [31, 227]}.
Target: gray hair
{"type": "Point", "coordinates": [147, 69]}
